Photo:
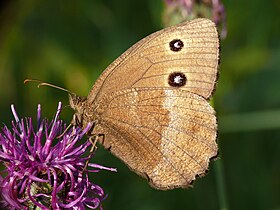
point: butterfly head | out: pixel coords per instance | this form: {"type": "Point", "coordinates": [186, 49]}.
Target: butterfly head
{"type": "Point", "coordinates": [77, 103]}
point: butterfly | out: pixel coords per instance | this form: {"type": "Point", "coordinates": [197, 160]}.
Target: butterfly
{"type": "Point", "coordinates": [150, 107]}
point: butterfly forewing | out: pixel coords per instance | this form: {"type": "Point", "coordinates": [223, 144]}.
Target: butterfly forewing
{"type": "Point", "coordinates": [150, 61]}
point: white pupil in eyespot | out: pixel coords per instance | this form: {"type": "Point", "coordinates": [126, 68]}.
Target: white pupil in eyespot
{"type": "Point", "coordinates": [177, 45]}
{"type": "Point", "coordinates": [178, 79]}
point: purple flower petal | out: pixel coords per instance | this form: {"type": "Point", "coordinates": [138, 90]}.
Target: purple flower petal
{"type": "Point", "coordinates": [40, 173]}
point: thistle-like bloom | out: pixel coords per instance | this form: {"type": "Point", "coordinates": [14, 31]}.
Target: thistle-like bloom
{"type": "Point", "coordinates": [180, 10]}
{"type": "Point", "coordinates": [45, 168]}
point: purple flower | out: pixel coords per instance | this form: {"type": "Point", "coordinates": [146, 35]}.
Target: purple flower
{"type": "Point", "coordinates": [180, 10]}
{"type": "Point", "coordinates": [44, 166]}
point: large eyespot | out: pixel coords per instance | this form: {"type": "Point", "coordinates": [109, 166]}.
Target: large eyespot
{"type": "Point", "coordinates": [177, 79]}
{"type": "Point", "coordinates": [176, 45]}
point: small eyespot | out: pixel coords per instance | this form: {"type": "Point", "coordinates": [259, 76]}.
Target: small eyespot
{"type": "Point", "coordinates": [176, 45]}
{"type": "Point", "coordinates": [177, 79]}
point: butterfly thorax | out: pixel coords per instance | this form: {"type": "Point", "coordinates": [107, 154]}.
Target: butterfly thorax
{"type": "Point", "coordinates": [79, 105]}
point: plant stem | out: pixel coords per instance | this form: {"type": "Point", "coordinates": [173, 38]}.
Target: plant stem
{"type": "Point", "coordinates": [221, 188]}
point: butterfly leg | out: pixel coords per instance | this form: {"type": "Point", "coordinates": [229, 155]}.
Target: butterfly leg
{"type": "Point", "coordinates": [93, 139]}
{"type": "Point", "coordinates": [64, 131]}
{"type": "Point", "coordinates": [75, 122]}
{"type": "Point", "coordinates": [103, 140]}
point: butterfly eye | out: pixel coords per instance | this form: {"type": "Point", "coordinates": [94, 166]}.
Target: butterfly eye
{"type": "Point", "coordinates": [177, 79]}
{"type": "Point", "coordinates": [176, 45]}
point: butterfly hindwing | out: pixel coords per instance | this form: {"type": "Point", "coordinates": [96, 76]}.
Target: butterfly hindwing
{"type": "Point", "coordinates": [166, 135]}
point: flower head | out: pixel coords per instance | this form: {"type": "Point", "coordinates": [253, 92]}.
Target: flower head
{"type": "Point", "coordinates": [45, 167]}
{"type": "Point", "coordinates": [180, 10]}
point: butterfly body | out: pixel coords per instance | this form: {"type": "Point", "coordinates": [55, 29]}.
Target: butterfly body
{"type": "Point", "coordinates": [152, 106]}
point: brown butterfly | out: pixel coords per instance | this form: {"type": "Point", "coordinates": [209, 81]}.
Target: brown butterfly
{"type": "Point", "coordinates": [150, 106]}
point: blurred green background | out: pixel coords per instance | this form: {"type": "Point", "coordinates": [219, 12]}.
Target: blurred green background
{"type": "Point", "coordinates": [69, 43]}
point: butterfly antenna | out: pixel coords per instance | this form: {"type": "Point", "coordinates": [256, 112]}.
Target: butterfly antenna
{"type": "Point", "coordinates": [41, 83]}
